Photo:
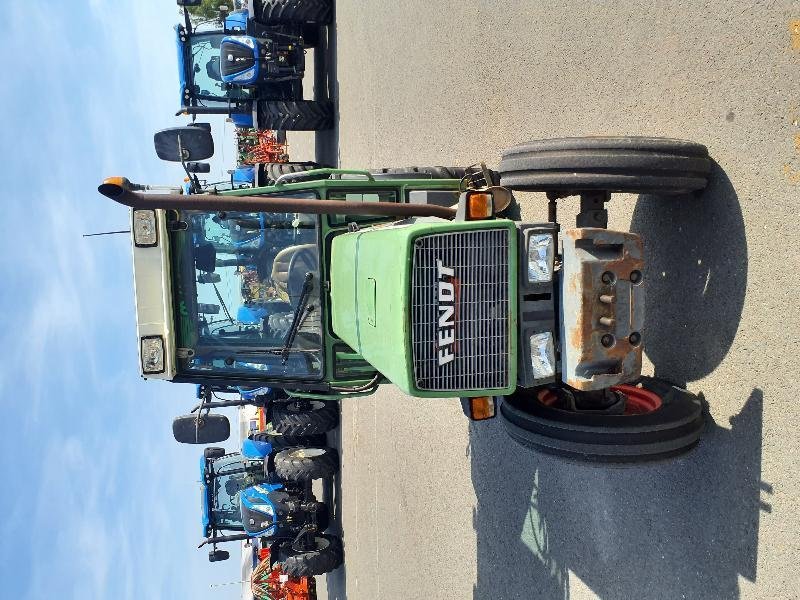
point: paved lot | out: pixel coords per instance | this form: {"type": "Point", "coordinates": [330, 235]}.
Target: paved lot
{"type": "Point", "coordinates": [432, 507]}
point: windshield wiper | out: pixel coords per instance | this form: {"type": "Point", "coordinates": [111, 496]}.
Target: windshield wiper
{"type": "Point", "coordinates": [299, 314]}
{"type": "Point", "coordinates": [222, 302]}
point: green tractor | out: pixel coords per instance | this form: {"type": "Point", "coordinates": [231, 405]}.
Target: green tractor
{"type": "Point", "coordinates": [331, 282]}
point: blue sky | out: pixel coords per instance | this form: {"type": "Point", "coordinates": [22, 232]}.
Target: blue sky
{"type": "Point", "coordinates": [98, 501]}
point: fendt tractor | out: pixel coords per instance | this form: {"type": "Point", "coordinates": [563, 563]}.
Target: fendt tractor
{"type": "Point", "coordinates": [249, 64]}
{"type": "Point", "coordinates": [265, 492]}
{"type": "Point", "coordinates": [351, 280]}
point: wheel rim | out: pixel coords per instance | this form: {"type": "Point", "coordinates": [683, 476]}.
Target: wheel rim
{"type": "Point", "coordinates": [312, 405]}
{"type": "Point", "coordinates": [638, 401]}
{"type": "Point", "coordinates": [307, 452]}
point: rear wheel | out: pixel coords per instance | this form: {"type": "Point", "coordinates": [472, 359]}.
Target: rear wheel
{"type": "Point", "coordinates": [280, 442]}
{"type": "Point", "coordinates": [295, 115]}
{"type": "Point", "coordinates": [437, 172]}
{"type": "Point", "coordinates": [614, 164]}
{"type": "Point", "coordinates": [294, 11]}
{"type": "Point", "coordinates": [302, 464]}
{"type": "Point", "coordinates": [305, 417]}
{"type": "Point", "coordinates": [660, 420]}
{"type": "Point", "coordinates": [271, 171]}
{"type": "Point", "coordinates": [326, 556]}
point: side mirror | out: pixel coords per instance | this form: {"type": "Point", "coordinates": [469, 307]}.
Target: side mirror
{"type": "Point", "coordinates": [218, 555]}
{"type": "Point", "coordinates": [212, 429]}
{"type": "Point", "coordinates": [198, 167]}
{"type": "Point", "coordinates": [178, 144]}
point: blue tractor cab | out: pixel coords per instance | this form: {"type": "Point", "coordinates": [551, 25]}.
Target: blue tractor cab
{"type": "Point", "coordinates": [251, 66]}
{"type": "Point", "coordinates": [265, 492]}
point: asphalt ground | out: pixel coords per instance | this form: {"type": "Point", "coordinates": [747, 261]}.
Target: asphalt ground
{"type": "Point", "coordinates": [433, 507]}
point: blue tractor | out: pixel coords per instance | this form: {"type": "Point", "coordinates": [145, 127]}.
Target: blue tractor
{"type": "Point", "coordinates": [265, 492]}
{"type": "Point", "coordinates": [250, 63]}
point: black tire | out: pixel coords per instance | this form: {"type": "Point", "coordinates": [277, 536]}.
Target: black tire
{"type": "Point", "coordinates": [295, 115]}
{"type": "Point", "coordinates": [672, 429]}
{"type": "Point", "coordinates": [328, 556]}
{"type": "Point", "coordinates": [280, 442]}
{"type": "Point", "coordinates": [295, 11]}
{"type": "Point", "coordinates": [437, 172]}
{"type": "Point", "coordinates": [616, 164]}
{"type": "Point", "coordinates": [302, 464]}
{"type": "Point", "coordinates": [305, 417]}
{"type": "Point", "coordinates": [271, 171]}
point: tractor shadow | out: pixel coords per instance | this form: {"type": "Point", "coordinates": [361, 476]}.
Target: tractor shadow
{"type": "Point", "coordinates": [683, 528]}
{"type": "Point", "coordinates": [326, 87]}
{"type": "Point", "coordinates": [335, 583]}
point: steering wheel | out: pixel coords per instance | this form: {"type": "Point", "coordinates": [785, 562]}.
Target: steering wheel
{"type": "Point", "coordinates": [302, 262]}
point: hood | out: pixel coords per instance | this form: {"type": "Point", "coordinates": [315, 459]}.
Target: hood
{"type": "Point", "coordinates": [371, 294]}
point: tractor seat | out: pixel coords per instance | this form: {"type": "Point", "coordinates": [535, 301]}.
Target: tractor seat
{"type": "Point", "coordinates": [282, 261]}
{"type": "Point", "coordinates": [212, 69]}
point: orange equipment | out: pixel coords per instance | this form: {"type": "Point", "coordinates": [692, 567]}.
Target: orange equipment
{"type": "Point", "coordinates": [260, 147]}
{"type": "Point", "coordinates": [270, 583]}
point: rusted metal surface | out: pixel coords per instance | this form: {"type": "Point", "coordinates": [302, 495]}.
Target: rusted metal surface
{"type": "Point", "coordinates": [603, 308]}
{"type": "Point", "coordinates": [213, 202]}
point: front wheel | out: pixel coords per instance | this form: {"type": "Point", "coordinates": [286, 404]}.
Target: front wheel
{"type": "Point", "coordinates": [660, 420]}
{"type": "Point", "coordinates": [636, 165]}
{"type": "Point", "coordinates": [302, 464]}
{"type": "Point", "coordinates": [326, 555]}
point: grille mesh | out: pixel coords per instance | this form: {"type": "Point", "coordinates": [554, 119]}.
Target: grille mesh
{"type": "Point", "coordinates": [480, 263]}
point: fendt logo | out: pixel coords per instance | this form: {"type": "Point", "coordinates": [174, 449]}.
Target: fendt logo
{"type": "Point", "coordinates": [447, 323]}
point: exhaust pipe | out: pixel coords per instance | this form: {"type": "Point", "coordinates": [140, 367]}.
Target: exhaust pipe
{"type": "Point", "coordinates": [122, 191]}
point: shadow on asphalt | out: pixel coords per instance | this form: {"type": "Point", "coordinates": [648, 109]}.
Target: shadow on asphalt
{"type": "Point", "coordinates": [326, 87]}
{"type": "Point", "coordinates": [682, 528]}
{"type": "Point", "coordinates": [696, 257]}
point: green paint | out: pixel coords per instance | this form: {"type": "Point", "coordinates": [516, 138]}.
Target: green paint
{"type": "Point", "coordinates": [370, 297]}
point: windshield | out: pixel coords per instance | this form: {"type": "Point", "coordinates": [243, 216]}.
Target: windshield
{"type": "Point", "coordinates": [232, 474]}
{"type": "Point", "coordinates": [241, 280]}
{"type": "Point", "coordinates": [204, 65]}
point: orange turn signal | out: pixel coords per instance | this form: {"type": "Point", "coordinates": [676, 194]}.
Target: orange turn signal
{"type": "Point", "coordinates": [117, 181]}
{"type": "Point", "coordinates": [479, 206]}
{"type": "Point", "coordinates": [481, 408]}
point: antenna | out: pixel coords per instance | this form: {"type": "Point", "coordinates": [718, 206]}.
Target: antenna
{"type": "Point", "coordinates": [106, 233]}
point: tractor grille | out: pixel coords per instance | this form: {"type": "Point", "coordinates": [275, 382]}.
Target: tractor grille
{"type": "Point", "coordinates": [479, 326]}
{"type": "Point", "coordinates": [236, 58]}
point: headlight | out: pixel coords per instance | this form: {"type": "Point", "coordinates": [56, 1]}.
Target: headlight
{"type": "Point", "coordinates": [145, 233]}
{"type": "Point", "coordinates": [152, 350]}
{"type": "Point", "coordinates": [543, 356]}
{"type": "Point", "coordinates": [540, 257]}
{"type": "Point", "coordinates": [265, 508]}
{"type": "Point", "coordinates": [246, 40]}
{"type": "Point", "coordinates": [246, 76]}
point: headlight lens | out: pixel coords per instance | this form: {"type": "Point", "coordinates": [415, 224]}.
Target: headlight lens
{"type": "Point", "coordinates": [540, 257]}
{"type": "Point", "coordinates": [144, 228]}
{"type": "Point", "coordinates": [246, 76]}
{"type": "Point", "coordinates": [265, 508]}
{"type": "Point", "coordinates": [153, 354]}
{"type": "Point", "coordinates": [543, 356]}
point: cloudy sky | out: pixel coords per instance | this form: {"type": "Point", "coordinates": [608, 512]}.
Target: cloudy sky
{"type": "Point", "coordinates": [97, 500]}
